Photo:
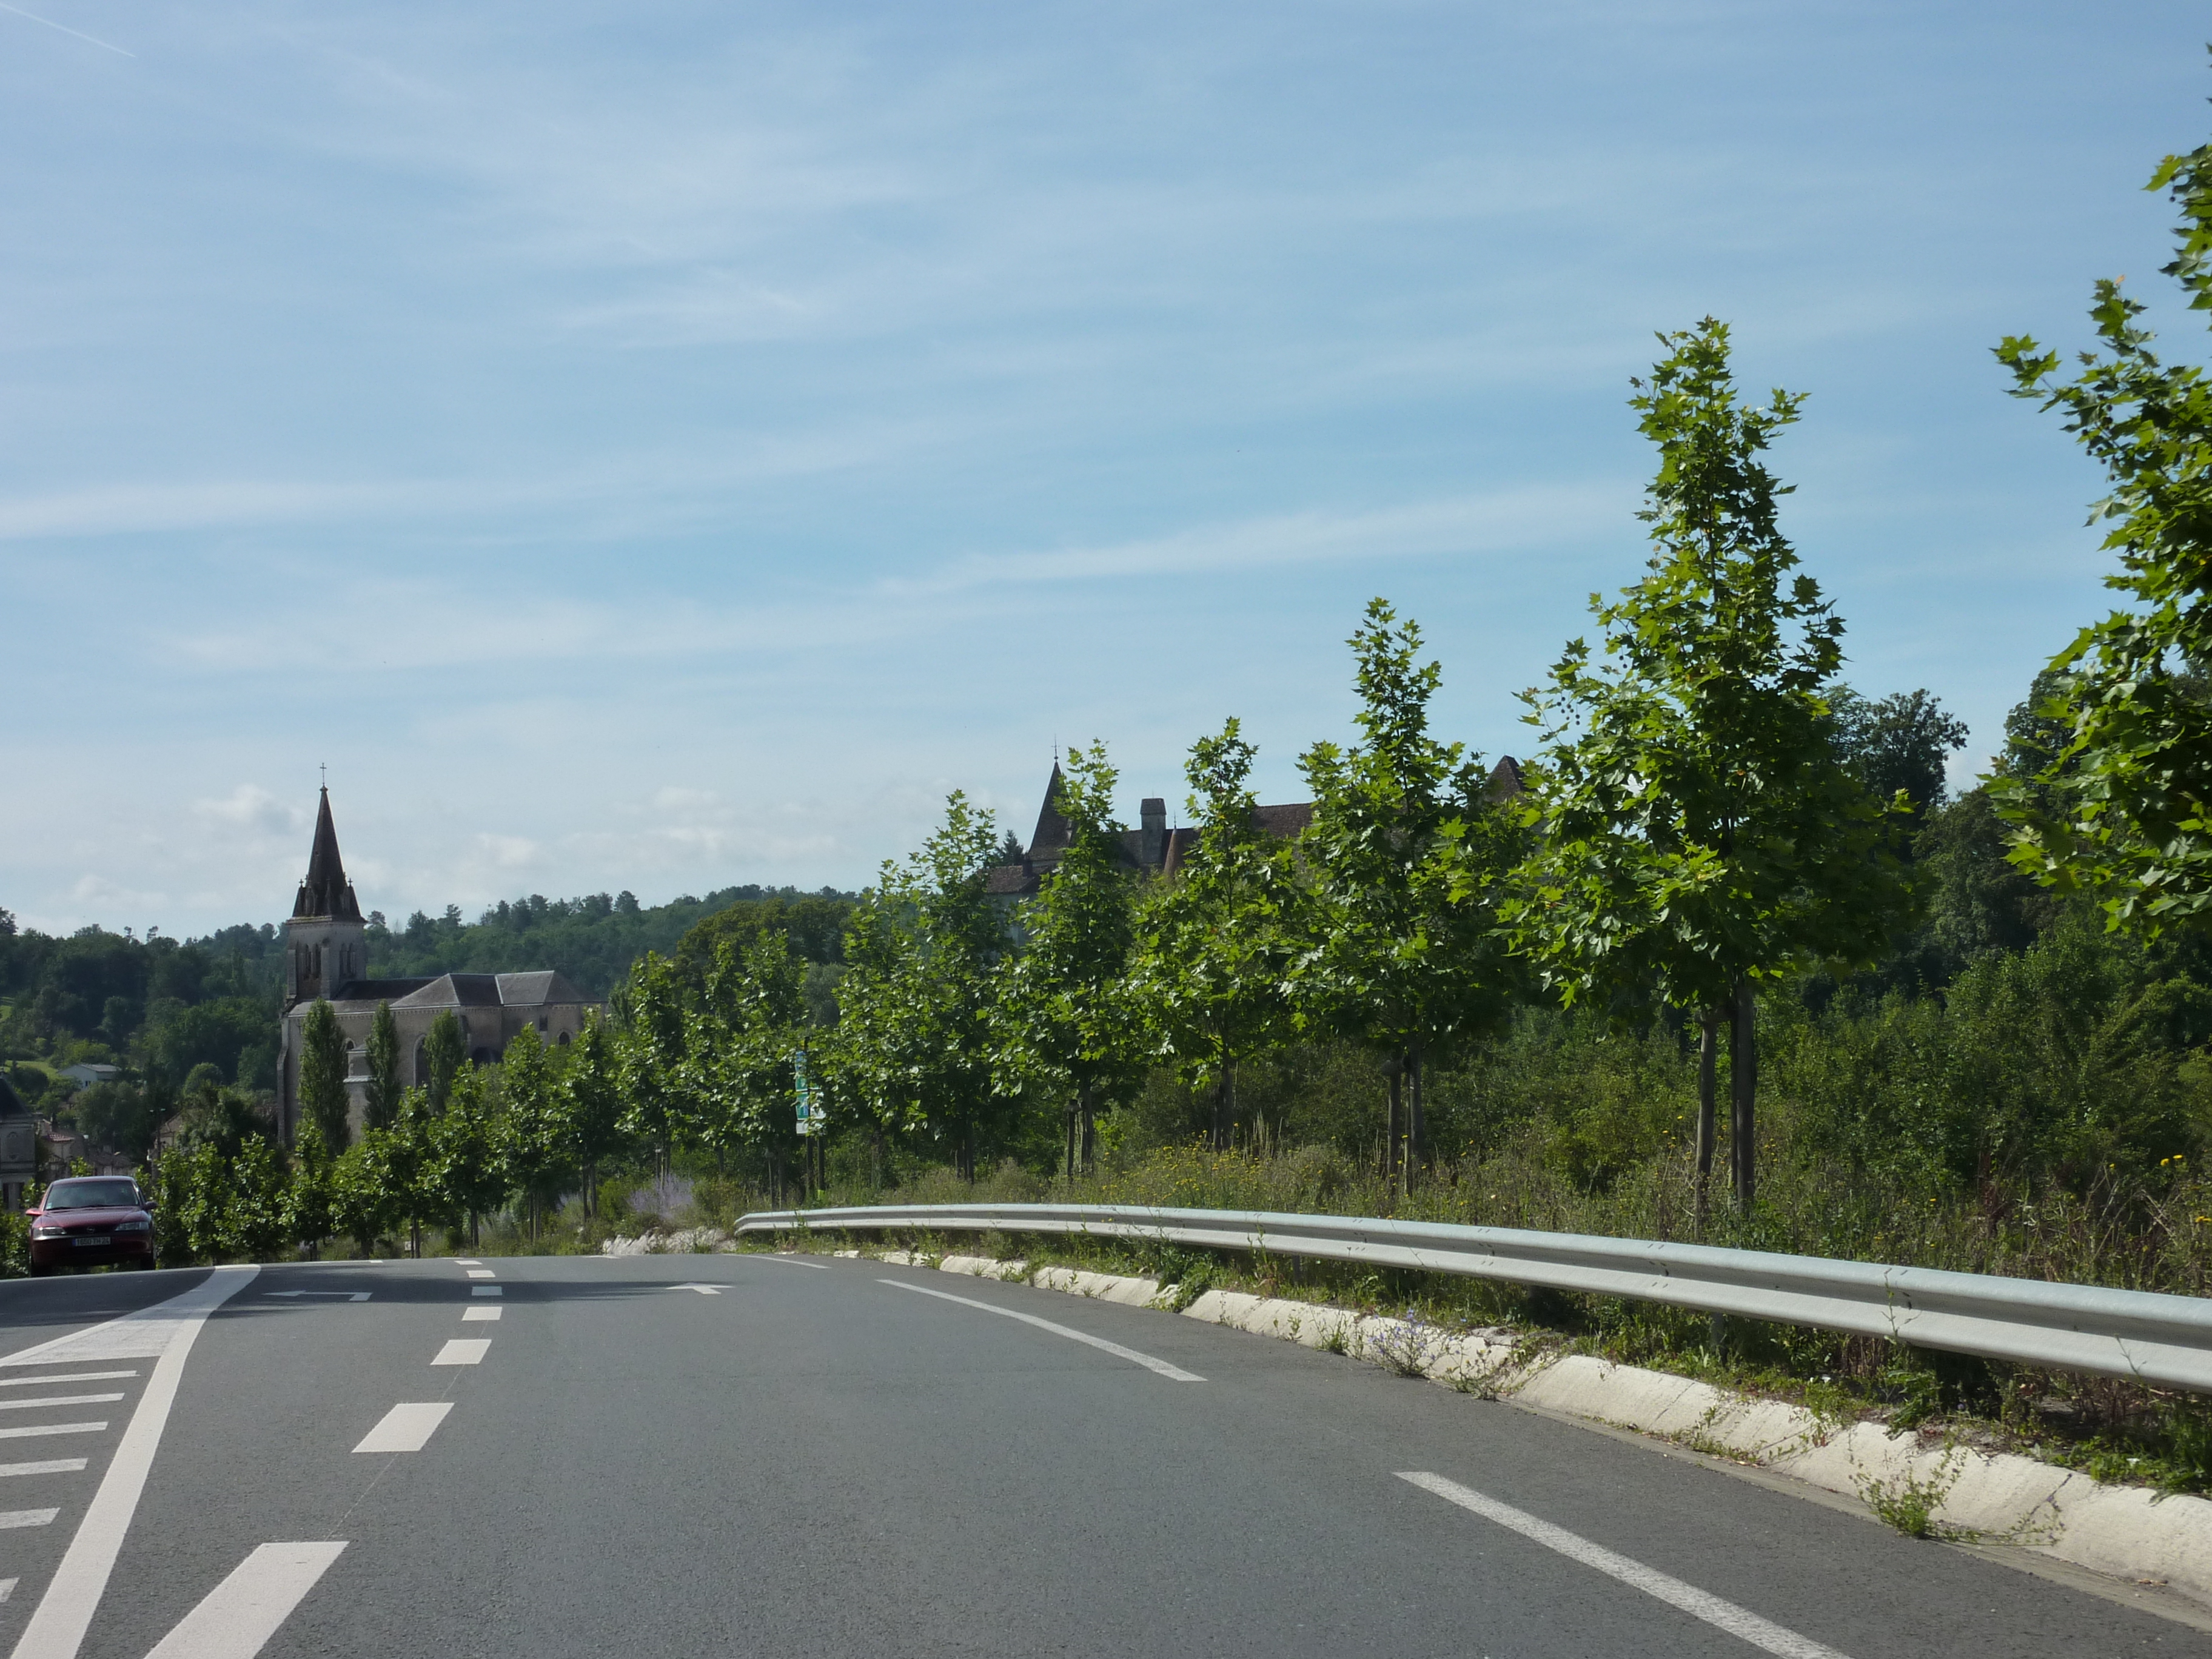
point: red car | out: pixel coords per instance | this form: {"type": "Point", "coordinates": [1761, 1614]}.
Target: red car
{"type": "Point", "coordinates": [87, 1221]}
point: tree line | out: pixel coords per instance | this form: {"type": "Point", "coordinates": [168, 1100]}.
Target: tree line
{"type": "Point", "coordinates": [1710, 821]}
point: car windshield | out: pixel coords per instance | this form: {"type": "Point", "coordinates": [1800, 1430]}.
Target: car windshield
{"type": "Point", "coordinates": [92, 1195]}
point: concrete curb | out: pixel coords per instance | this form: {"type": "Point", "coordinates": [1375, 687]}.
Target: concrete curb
{"type": "Point", "coordinates": [2127, 1534]}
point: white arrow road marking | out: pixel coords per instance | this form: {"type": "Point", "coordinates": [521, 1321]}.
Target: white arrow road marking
{"type": "Point", "coordinates": [1173, 1373]}
{"type": "Point", "coordinates": [243, 1612]}
{"type": "Point", "coordinates": [349, 1295]}
{"type": "Point", "coordinates": [404, 1428]}
{"type": "Point", "coordinates": [703, 1289]}
{"type": "Point", "coordinates": [463, 1350]}
{"type": "Point", "coordinates": [1739, 1622]}
{"type": "Point", "coordinates": [57, 1628]}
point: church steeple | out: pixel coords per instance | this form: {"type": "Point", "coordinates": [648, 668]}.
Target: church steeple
{"type": "Point", "coordinates": [326, 941]}
{"type": "Point", "coordinates": [326, 892]}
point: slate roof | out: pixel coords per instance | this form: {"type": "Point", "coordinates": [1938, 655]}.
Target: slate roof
{"type": "Point", "coordinates": [546, 988]}
{"type": "Point", "coordinates": [326, 892]}
{"type": "Point", "coordinates": [543, 988]}
{"type": "Point", "coordinates": [378, 990]}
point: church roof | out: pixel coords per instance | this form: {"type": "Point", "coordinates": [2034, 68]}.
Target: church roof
{"type": "Point", "coordinates": [326, 892]}
{"type": "Point", "coordinates": [547, 988]}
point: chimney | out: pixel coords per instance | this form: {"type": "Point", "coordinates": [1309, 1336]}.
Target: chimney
{"type": "Point", "coordinates": [1152, 841]}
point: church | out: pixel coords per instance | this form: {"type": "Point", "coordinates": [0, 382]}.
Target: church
{"type": "Point", "coordinates": [326, 957]}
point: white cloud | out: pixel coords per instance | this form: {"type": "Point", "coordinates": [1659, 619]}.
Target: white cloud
{"type": "Point", "coordinates": [250, 806]}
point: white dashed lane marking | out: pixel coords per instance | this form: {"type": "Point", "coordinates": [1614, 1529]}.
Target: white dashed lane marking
{"type": "Point", "coordinates": [26, 1517]}
{"type": "Point", "coordinates": [406, 1428]}
{"type": "Point", "coordinates": [1739, 1622]}
{"type": "Point", "coordinates": [243, 1612]}
{"type": "Point", "coordinates": [488, 1290]}
{"type": "Point", "coordinates": [482, 1272]}
{"type": "Point", "coordinates": [463, 1350]}
{"type": "Point", "coordinates": [480, 1313]}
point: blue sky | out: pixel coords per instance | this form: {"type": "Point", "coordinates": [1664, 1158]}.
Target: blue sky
{"type": "Point", "coordinates": [662, 446]}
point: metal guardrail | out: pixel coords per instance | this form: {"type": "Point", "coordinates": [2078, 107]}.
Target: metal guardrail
{"type": "Point", "coordinates": [2145, 1335]}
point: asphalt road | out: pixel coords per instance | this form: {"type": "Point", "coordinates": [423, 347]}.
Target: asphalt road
{"type": "Point", "coordinates": [817, 1460]}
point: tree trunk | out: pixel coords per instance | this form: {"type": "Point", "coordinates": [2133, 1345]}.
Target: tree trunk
{"type": "Point", "coordinates": [1743, 1086]}
{"type": "Point", "coordinates": [1221, 1111]}
{"type": "Point", "coordinates": [1070, 1143]}
{"type": "Point", "coordinates": [1708, 1043]}
{"type": "Point", "coordinates": [1090, 1137]}
{"type": "Point", "coordinates": [1390, 1145]}
{"type": "Point", "coordinates": [1416, 1124]}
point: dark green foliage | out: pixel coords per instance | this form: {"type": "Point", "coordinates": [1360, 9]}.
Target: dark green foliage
{"type": "Point", "coordinates": [594, 941]}
{"type": "Point", "coordinates": [1896, 744]}
{"type": "Point", "coordinates": [323, 1075]}
{"type": "Point", "coordinates": [380, 1099]}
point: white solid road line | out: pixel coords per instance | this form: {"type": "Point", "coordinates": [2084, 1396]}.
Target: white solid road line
{"type": "Point", "coordinates": [463, 1350]}
{"type": "Point", "coordinates": [45, 1429]}
{"type": "Point", "coordinates": [795, 1261]}
{"type": "Point", "coordinates": [487, 1290]}
{"type": "Point", "coordinates": [405, 1428]}
{"type": "Point", "coordinates": [243, 1612]}
{"type": "Point", "coordinates": [26, 1517]}
{"type": "Point", "coordinates": [57, 1628]}
{"type": "Point", "coordinates": [44, 1466]}
{"type": "Point", "coordinates": [482, 1272]}
{"type": "Point", "coordinates": [59, 1400]}
{"type": "Point", "coordinates": [480, 1313]}
{"type": "Point", "coordinates": [1173, 1373]}
{"type": "Point", "coordinates": [70, 1376]}
{"type": "Point", "coordinates": [342, 1296]}
{"type": "Point", "coordinates": [1739, 1622]}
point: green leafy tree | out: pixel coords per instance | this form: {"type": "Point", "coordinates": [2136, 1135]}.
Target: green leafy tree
{"type": "Point", "coordinates": [2123, 810]}
{"type": "Point", "coordinates": [444, 1052]}
{"type": "Point", "coordinates": [311, 1199]}
{"type": "Point", "coordinates": [1068, 1021]}
{"type": "Point", "coordinates": [538, 1138]}
{"type": "Point", "coordinates": [323, 1074]}
{"type": "Point", "coordinates": [1403, 954]}
{"type": "Point", "coordinates": [1700, 831]}
{"type": "Point", "coordinates": [653, 1051]}
{"type": "Point", "coordinates": [1216, 947]}
{"type": "Point", "coordinates": [369, 1190]}
{"type": "Point", "coordinates": [381, 1100]}
{"type": "Point", "coordinates": [914, 1050]}
{"type": "Point", "coordinates": [739, 1038]}
{"type": "Point", "coordinates": [468, 1171]}
{"type": "Point", "coordinates": [259, 1224]}
{"type": "Point", "coordinates": [595, 1106]}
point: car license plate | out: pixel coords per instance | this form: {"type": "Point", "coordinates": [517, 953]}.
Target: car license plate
{"type": "Point", "coordinates": [82, 1243]}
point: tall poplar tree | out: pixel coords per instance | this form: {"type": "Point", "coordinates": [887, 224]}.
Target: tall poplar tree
{"type": "Point", "coordinates": [1700, 832]}
{"type": "Point", "coordinates": [323, 1075]}
{"type": "Point", "coordinates": [381, 1100]}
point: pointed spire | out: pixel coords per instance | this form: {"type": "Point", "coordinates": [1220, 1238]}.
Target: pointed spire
{"type": "Point", "coordinates": [326, 892]}
{"type": "Point", "coordinates": [1051, 837]}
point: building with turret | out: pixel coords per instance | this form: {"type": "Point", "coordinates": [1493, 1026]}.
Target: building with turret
{"type": "Point", "coordinates": [1153, 848]}
{"type": "Point", "coordinates": [327, 958]}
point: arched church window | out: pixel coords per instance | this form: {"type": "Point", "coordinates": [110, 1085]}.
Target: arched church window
{"type": "Point", "coordinates": [421, 1063]}
{"type": "Point", "coordinates": [561, 1041]}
